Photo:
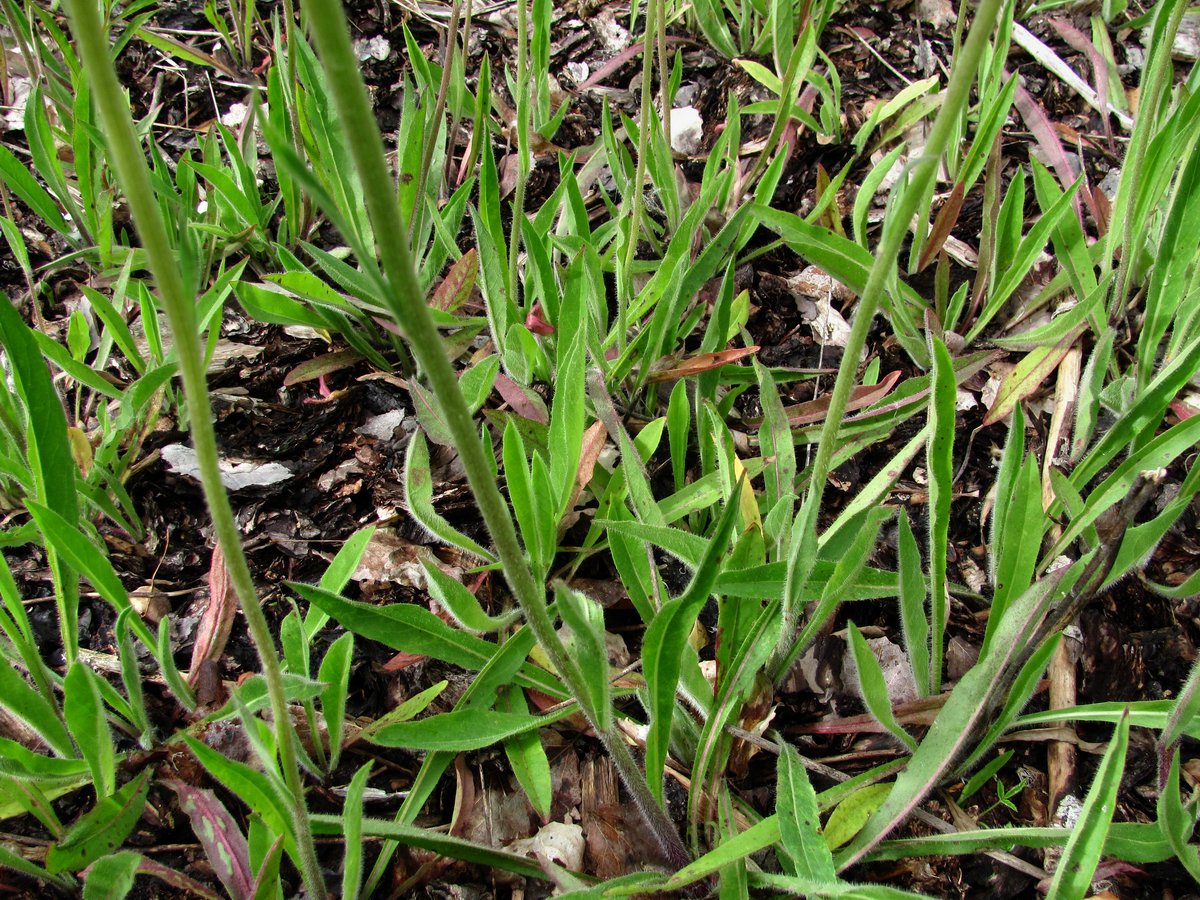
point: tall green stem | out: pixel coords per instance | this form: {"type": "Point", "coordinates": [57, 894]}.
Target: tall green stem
{"type": "Point", "coordinates": [130, 164]}
{"type": "Point", "coordinates": [899, 214]}
{"type": "Point", "coordinates": [523, 160]}
{"type": "Point", "coordinates": [625, 282]}
{"type": "Point", "coordinates": [406, 303]}
{"type": "Point", "coordinates": [1156, 78]}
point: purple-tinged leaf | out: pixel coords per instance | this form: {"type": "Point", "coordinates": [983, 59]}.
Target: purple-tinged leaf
{"type": "Point", "coordinates": [219, 835]}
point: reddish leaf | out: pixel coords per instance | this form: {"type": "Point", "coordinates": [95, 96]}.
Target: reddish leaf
{"type": "Point", "coordinates": [1183, 409]}
{"type": "Point", "coordinates": [946, 219]}
{"type": "Point", "coordinates": [323, 365]}
{"type": "Point", "coordinates": [458, 284]}
{"type": "Point", "coordinates": [537, 323]}
{"type": "Point", "coordinates": [212, 632]}
{"type": "Point", "coordinates": [175, 879]}
{"type": "Point", "coordinates": [620, 59]}
{"type": "Point", "coordinates": [1038, 122]}
{"type": "Point", "coordinates": [594, 440]}
{"type": "Point", "coordinates": [860, 397]}
{"type": "Point", "coordinates": [701, 362]}
{"type": "Point", "coordinates": [402, 661]}
{"type": "Point", "coordinates": [524, 402]}
{"type": "Point", "coordinates": [222, 840]}
{"type": "Point", "coordinates": [1027, 376]}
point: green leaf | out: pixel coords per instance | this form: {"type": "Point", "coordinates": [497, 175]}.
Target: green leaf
{"type": "Point", "coordinates": [338, 575]}
{"type": "Point", "coordinates": [874, 688]}
{"type": "Point", "coordinates": [775, 439]}
{"type": "Point", "coordinates": [799, 821]}
{"type": "Point", "coordinates": [418, 496]}
{"type": "Point", "coordinates": [849, 816]}
{"type": "Point", "coordinates": [102, 829]}
{"type": "Point", "coordinates": [352, 817]}
{"type": "Point", "coordinates": [84, 711]}
{"type": "Point", "coordinates": [476, 381]}
{"type": "Point", "coordinates": [1073, 877]}
{"type": "Point", "coordinates": [939, 454]}
{"type": "Point", "coordinates": [964, 711]}
{"type": "Point", "coordinates": [528, 757]}
{"type": "Point", "coordinates": [805, 887]}
{"type": "Point", "coordinates": [1018, 539]}
{"type": "Point", "coordinates": [664, 643]}
{"type": "Point", "coordinates": [567, 414]}
{"type": "Point", "coordinates": [439, 843]}
{"type": "Point", "coordinates": [679, 426]}
{"type": "Point", "coordinates": [587, 650]}
{"type": "Point", "coordinates": [335, 673]}
{"type": "Point", "coordinates": [111, 877]}
{"type": "Point", "coordinates": [19, 179]}
{"type": "Point", "coordinates": [1177, 821]}
{"type": "Point", "coordinates": [1022, 690]}
{"type": "Point", "coordinates": [460, 730]}
{"type": "Point", "coordinates": [401, 626]}
{"type": "Point", "coordinates": [31, 707]}
{"type": "Point", "coordinates": [1016, 267]}
{"type": "Point", "coordinates": [755, 838]}
{"type": "Point", "coordinates": [87, 558]}
{"type": "Point", "coordinates": [264, 794]}
{"type": "Point", "coordinates": [49, 452]}
{"type": "Point", "coordinates": [914, 623]}
{"type": "Point", "coordinates": [457, 600]}
{"type": "Point", "coordinates": [520, 493]}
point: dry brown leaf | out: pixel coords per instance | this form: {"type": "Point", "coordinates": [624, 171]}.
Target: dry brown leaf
{"type": "Point", "coordinates": [701, 362]}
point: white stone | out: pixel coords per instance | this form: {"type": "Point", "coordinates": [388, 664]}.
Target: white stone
{"type": "Point", "coordinates": [687, 130]}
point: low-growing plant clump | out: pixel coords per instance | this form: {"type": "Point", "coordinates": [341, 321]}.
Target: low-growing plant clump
{"type": "Point", "coordinates": [692, 454]}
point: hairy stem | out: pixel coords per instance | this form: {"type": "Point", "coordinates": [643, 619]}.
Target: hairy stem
{"type": "Point", "coordinates": [625, 282]}
{"type": "Point", "coordinates": [900, 213]}
{"type": "Point", "coordinates": [406, 303]}
{"type": "Point", "coordinates": [130, 164]}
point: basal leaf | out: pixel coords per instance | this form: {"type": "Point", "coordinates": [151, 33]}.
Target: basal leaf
{"type": "Point", "coordinates": [102, 829]}
{"type": "Point", "coordinates": [874, 688]}
{"type": "Point", "coordinates": [418, 496]}
{"type": "Point", "coordinates": [1073, 877]}
{"type": "Point", "coordinates": [799, 820]}
{"type": "Point", "coordinates": [849, 816]}
{"type": "Point", "coordinates": [460, 730]}
{"type": "Point", "coordinates": [335, 674]}
{"type": "Point", "coordinates": [84, 711]}
{"type": "Point", "coordinates": [219, 835]}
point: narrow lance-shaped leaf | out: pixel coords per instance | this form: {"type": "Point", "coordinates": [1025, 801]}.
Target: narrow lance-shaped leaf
{"type": "Point", "coordinates": [352, 816]}
{"type": "Point", "coordinates": [461, 730]}
{"type": "Point", "coordinates": [49, 451]}
{"type": "Point", "coordinates": [457, 600]}
{"type": "Point", "coordinates": [1177, 821]}
{"type": "Point", "coordinates": [962, 714]}
{"type": "Point", "coordinates": [799, 820]}
{"type": "Point", "coordinates": [335, 674]}
{"type": "Point", "coordinates": [418, 495]}
{"type": "Point", "coordinates": [1073, 877]}
{"type": "Point", "coordinates": [914, 623]}
{"type": "Point", "coordinates": [84, 712]}
{"type": "Point", "coordinates": [940, 462]}
{"type": "Point", "coordinates": [584, 617]}
{"type": "Point", "coordinates": [872, 684]}
{"type": "Point", "coordinates": [527, 756]}
{"type": "Point", "coordinates": [102, 829]}
{"type": "Point", "coordinates": [663, 646]}
{"type": "Point", "coordinates": [219, 835]}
